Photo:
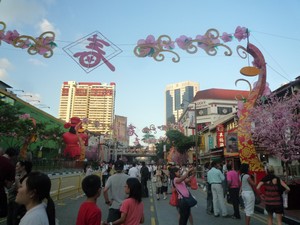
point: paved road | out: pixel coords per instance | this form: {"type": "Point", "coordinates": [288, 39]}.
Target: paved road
{"type": "Point", "coordinates": [156, 212]}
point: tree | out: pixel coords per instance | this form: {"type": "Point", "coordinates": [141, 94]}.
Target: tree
{"type": "Point", "coordinates": [275, 125]}
{"type": "Point", "coordinates": [180, 141]}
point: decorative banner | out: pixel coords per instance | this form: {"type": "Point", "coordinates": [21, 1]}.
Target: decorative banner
{"type": "Point", "coordinates": [43, 45]}
{"type": "Point", "coordinates": [209, 42]}
{"type": "Point", "coordinates": [92, 51]}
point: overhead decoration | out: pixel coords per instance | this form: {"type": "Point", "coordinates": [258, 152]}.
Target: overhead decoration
{"type": "Point", "coordinates": [150, 129]}
{"type": "Point", "coordinates": [209, 42]}
{"type": "Point", "coordinates": [92, 51]}
{"type": "Point", "coordinates": [43, 45]}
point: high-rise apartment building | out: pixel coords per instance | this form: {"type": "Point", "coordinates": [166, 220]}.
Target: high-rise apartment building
{"type": "Point", "coordinates": [92, 100]}
{"type": "Point", "coordinates": [177, 98]}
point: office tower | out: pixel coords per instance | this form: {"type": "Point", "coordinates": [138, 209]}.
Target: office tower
{"type": "Point", "coordinates": [177, 98]}
{"type": "Point", "coordinates": [92, 100]}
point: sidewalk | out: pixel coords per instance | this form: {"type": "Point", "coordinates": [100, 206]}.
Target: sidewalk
{"type": "Point", "coordinates": [291, 217]}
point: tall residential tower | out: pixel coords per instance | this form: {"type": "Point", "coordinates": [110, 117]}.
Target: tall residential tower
{"type": "Point", "coordinates": [92, 100]}
{"type": "Point", "coordinates": [177, 98]}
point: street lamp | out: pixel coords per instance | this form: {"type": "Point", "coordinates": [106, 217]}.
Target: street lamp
{"type": "Point", "coordinates": [196, 132]}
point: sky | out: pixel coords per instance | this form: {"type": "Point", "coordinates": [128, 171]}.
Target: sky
{"type": "Point", "coordinates": [141, 82]}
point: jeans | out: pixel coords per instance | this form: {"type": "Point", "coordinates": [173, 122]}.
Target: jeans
{"type": "Point", "coordinates": [113, 214]}
{"type": "Point", "coordinates": [209, 199]}
{"type": "Point", "coordinates": [184, 212]}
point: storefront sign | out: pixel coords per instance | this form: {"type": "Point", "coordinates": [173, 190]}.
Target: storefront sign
{"type": "Point", "coordinates": [220, 136]}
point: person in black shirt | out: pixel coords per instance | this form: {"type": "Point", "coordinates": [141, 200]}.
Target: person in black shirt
{"type": "Point", "coordinates": [144, 178]}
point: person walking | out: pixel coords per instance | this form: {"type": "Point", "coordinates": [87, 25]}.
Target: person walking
{"type": "Point", "coordinates": [247, 192]}
{"type": "Point", "coordinates": [134, 171]}
{"type": "Point", "coordinates": [113, 192]}
{"type": "Point", "coordinates": [89, 213]}
{"type": "Point", "coordinates": [215, 178]}
{"type": "Point", "coordinates": [158, 183]}
{"type": "Point", "coordinates": [132, 209]}
{"type": "Point", "coordinates": [31, 193]}
{"type": "Point", "coordinates": [209, 197]}
{"type": "Point", "coordinates": [233, 183]}
{"type": "Point", "coordinates": [165, 181]}
{"type": "Point", "coordinates": [15, 210]}
{"type": "Point", "coordinates": [7, 177]}
{"type": "Point", "coordinates": [273, 197]}
{"type": "Point", "coordinates": [144, 178]}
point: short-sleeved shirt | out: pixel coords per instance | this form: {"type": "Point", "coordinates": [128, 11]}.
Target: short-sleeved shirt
{"type": "Point", "coordinates": [115, 185]}
{"type": "Point", "coordinates": [134, 211]}
{"type": "Point", "coordinates": [89, 214]}
{"type": "Point", "coordinates": [245, 184]}
{"type": "Point", "coordinates": [233, 176]}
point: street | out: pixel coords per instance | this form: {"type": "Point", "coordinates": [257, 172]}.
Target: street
{"type": "Point", "coordinates": [156, 212]}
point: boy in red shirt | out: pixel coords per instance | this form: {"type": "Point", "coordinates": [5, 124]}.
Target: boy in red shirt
{"type": "Point", "coordinates": [89, 213]}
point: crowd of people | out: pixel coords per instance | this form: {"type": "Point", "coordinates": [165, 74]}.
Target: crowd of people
{"type": "Point", "coordinates": [25, 194]}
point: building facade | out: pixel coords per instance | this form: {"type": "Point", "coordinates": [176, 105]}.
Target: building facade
{"type": "Point", "coordinates": [92, 100]}
{"type": "Point", "coordinates": [177, 98]}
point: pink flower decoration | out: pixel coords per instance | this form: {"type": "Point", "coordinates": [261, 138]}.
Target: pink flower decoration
{"type": "Point", "coordinates": [85, 120]}
{"type": "Point", "coordinates": [169, 45]}
{"type": "Point", "coordinates": [10, 36]}
{"type": "Point", "coordinates": [241, 33]}
{"type": "Point", "coordinates": [150, 41]}
{"type": "Point", "coordinates": [204, 41]}
{"type": "Point", "coordinates": [182, 41]}
{"type": "Point", "coordinates": [267, 90]}
{"type": "Point", "coordinates": [24, 116]}
{"type": "Point", "coordinates": [226, 37]}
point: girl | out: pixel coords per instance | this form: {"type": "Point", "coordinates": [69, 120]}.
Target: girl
{"type": "Point", "coordinates": [247, 192]}
{"type": "Point", "coordinates": [273, 198]}
{"type": "Point", "coordinates": [179, 184]}
{"type": "Point", "coordinates": [132, 208]}
{"type": "Point", "coordinates": [31, 193]}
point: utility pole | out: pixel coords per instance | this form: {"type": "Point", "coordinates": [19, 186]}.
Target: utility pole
{"type": "Point", "coordinates": [196, 139]}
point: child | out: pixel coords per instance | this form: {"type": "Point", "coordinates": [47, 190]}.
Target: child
{"type": "Point", "coordinates": [89, 213]}
{"type": "Point", "coordinates": [132, 208]}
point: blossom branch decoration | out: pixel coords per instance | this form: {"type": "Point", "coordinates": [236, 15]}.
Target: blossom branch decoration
{"type": "Point", "coordinates": [209, 42]}
{"type": "Point", "coordinates": [43, 45]}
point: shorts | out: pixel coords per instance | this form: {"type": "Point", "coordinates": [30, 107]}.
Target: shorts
{"type": "Point", "coordinates": [277, 209]}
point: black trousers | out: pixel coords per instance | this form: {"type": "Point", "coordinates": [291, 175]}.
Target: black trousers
{"type": "Point", "coordinates": [184, 212]}
{"type": "Point", "coordinates": [234, 196]}
{"type": "Point", "coordinates": [145, 191]}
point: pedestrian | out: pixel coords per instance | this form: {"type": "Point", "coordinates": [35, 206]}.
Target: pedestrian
{"type": "Point", "coordinates": [134, 171]}
{"type": "Point", "coordinates": [215, 177]}
{"type": "Point", "coordinates": [31, 193]}
{"type": "Point", "coordinates": [144, 178]}
{"type": "Point", "coordinates": [132, 209]}
{"type": "Point", "coordinates": [15, 210]}
{"type": "Point", "coordinates": [105, 173]}
{"type": "Point", "coordinates": [209, 197]}
{"type": "Point", "coordinates": [233, 182]}
{"type": "Point", "coordinates": [247, 192]}
{"type": "Point", "coordinates": [89, 170]}
{"type": "Point", "coordinates": [7, 177]}
{"type": "Point", "coordinates": [158, 183]}
{"type": "Point", "coordinates": [179, 183]}
{"type": "Point", "coordinates": [165, 181]}
{"type": "Point", "coordinates": [113, 192]}
{"type": "Point", "coordinates": [273, 197]}
{"type": "Point", "coordinates": [89, 213]}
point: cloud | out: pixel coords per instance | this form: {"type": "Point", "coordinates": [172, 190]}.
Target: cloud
{"type": "Point", "coordinates": [18, 12]}
{"type": "Point", "coordinates": [45, 25]}
{"type": "Point", "coordinates": [36, 62]}
{"type": "Point", "coordinates": [5, 65]}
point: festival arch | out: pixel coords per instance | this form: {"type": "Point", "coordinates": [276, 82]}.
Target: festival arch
{"type": "Point", "coordinates": [210, 42]}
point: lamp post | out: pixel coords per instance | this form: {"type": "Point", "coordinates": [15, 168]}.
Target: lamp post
{"type": "Point", "coordinates": [196, 132]}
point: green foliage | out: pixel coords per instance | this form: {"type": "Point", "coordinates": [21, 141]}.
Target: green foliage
{"type": "Point", "coordinates": [180, 141]}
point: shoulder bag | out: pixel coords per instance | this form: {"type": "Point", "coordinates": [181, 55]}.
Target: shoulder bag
{"type": "Point", "coordinates": [190, 200]}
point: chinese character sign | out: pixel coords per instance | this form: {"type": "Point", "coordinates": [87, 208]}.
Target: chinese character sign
{"type": "Point", "coordinates": [92, 51]}
{"type": "Point", "coordinates": [220, 136]}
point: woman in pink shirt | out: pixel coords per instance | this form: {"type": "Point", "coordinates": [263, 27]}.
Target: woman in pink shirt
{"type": "Point", "coordinates": [132, 208]}
{"type": "Point", "coordinates": [233, 183]}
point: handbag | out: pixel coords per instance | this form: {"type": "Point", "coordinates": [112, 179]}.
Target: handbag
{"type": "Point", "coordinates": [153, 179]}
{"type": "Point", "coordinates": [190, 200]}
{"type": "Point", "coordinates": [281, 189]}
{"type": "Point", "coordinates": [174, 198]}
{"type": "Point", "coordinates": [257, 198]}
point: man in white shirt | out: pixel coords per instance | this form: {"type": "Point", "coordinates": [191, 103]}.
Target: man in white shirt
{"type": "Point", "coordinates": [134, 171]}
